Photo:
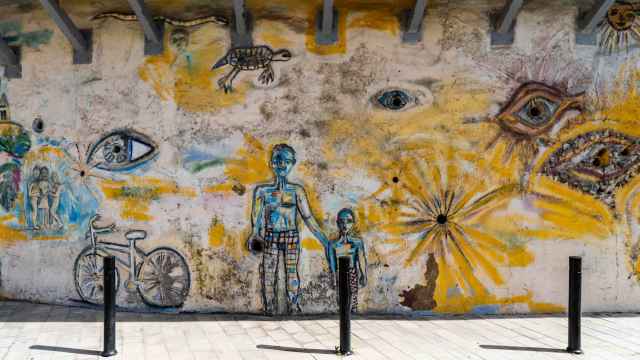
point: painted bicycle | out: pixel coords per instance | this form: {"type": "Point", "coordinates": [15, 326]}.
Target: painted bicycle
{"type": "Point", "coordinates": [161, 276]}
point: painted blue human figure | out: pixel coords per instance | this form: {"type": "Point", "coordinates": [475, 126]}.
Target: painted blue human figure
{"type": "Point", "coordinates": [350, 244]}
{"type": "Point", "coordinates": [275, 231]}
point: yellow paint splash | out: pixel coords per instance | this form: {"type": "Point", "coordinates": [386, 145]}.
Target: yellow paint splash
{"type": "Point", "coordinates": [187, 78]}
{"type": "Point", "coordinates": [274, 34]}
{"type": "Point", "coordinates": [381, 20]}
{"type": "Point", "coordinates": [451, 300]}
{"type": "Point", "coordinates": [9, 235]}
{"type": "Point", "coordinates": [312, 244]}
{"type": "Point", "coordinates": [373, 14]}
{"type": "Point", "coordinates": [233, 243]}
{"type": "Point", "coordinates": [137, 193]}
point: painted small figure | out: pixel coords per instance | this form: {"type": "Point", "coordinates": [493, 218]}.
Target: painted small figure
{"type": "Point", "coordinates": [350, 244]}
{"type": "Point", "coordinates": [275, 232]}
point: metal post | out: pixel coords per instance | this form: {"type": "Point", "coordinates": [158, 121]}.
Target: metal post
{"type": "Point", "coordinates": [10, 58]}
{"type": "Point", "coordinates": [327, 24]}
{"type": "Point", "coordinates": [109, 306]}
{"type": "Point", "coordinates": [241, 31]}
{"type": "Point", "coordinates": [504, 27]}
{"type": "Point", "coordinates": [413, 30]}
{"type": "Point", "coordinates": [344, 264]}
{"type": "Point", "coordinates": [575, 287]}
{"type": "Point", "coordinates": [81, 40]}
{"type": "Point", "coordinates": [153, 30]}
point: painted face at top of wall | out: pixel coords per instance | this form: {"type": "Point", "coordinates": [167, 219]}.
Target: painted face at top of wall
{"type": "Point", "coordinates": [282, 161]}
{"type": "Point", "coordinates": [621, 16]}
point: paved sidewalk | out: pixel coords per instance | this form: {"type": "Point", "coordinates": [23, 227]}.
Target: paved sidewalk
{"type": "Point", "coordinates": [29, 331]}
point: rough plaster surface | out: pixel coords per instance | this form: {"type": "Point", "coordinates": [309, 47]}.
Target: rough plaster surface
{"type": "Point", "coordinates": [348, 150]}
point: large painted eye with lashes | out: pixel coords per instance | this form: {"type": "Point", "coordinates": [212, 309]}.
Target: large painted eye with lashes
{"type": "Point", "coordinates": [535, 108]}
{"type": "Point", "coordinates": [596, 163]}
{"type": "Point", "coordinates": [121, 150]}
{"type": "Point", "coordinates": [394, 100]}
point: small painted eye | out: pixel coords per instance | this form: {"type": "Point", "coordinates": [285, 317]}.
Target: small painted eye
{"type": "Point", "coordinates": [121, 150]}
{"type": "Point", "coordinates": [38, 125]}
{"type": "Point", "coordinates": [394, 100]}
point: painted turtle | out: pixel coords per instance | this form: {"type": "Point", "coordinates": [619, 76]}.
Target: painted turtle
{"type": "Point", "coordinates": [248, 59]}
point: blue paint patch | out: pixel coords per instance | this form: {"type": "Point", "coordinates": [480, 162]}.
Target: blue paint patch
{"type": "Point", "coordinates": [56, 201]}
{"type": "Point", "coordinates": [422, 313]}
{"type": "Point", "coordinates": [453, 291]}
{"type": "Point", "coordinates": [196, 155]}
{"type": "Point", "coordinates": [486, 310]}
{"type": "Point", "coordinates": [12, 33]}
{"type": "Point", "coordinates": [196, 160]}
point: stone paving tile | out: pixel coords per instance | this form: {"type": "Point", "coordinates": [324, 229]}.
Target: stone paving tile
{"type": "Point", "coordinates": [229, 337]}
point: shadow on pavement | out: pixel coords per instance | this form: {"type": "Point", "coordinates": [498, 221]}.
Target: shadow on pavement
{"type": "Point", "coordinates": [65, 350]}
{"type": "Point", "coordinates": [298, 350]}
{"type": "Point", "coordinates": [522, 348]}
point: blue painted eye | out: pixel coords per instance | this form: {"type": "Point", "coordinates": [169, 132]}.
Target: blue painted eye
{"type": "Point", "coordinates": [121, 150]}
{"type": "Point", "coordinates": [538, 111]}
{"type": "Point", "coordinates": [394, 99]}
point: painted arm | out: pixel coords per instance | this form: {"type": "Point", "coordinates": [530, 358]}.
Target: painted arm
{"type": "Point", "coordinates": [362, 263]}
{"type": "Point", "coordinates": [257, 205]}
{"type": "Point", "coordinates": [307, 216]}
{"type": "Point", "coordinates": [312, 224]}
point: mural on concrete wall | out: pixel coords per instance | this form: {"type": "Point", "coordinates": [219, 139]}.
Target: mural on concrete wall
{"type": "Point", "coordinates": [468, 169]}
{"type": "Point", "coordinates": [275, 232]}
{"type": "Point", "coordinates": [348, 243]}
{"type": "Point", "coordinates": [160, 276]}
{"type": "Point", "coordinates": [621, 27]}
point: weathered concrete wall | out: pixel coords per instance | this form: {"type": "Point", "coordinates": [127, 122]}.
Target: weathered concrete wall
{"type": "Point", "coordinates": [472, 172]}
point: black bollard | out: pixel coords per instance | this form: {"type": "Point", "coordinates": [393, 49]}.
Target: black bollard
{"type": "Point", "coordinates": [575, 288]}
{"type": "Point", "coordinates": [344, 264]}
{"type": "Point", "coordinates": [109, 306]}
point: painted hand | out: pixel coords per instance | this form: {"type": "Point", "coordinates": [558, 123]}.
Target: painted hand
{"type": "Point", "coordinates": [255, 244]}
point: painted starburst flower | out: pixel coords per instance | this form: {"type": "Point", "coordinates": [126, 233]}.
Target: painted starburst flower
{"type": "Point", "coordinates": [84, 173]}
{"type": "Point", "coordinates": [442, 209]}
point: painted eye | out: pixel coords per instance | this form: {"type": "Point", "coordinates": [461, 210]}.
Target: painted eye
{"type": "Point", "coordinates": [596, 163]}
{"type": "Point", "coordinates": [394, 100]}
{"type": "Point", "coordinates": [121, 150]}
{"type": "Point", "coordinates": [537, 112]}
{"type": "Point", "coordinates": [535, 108]}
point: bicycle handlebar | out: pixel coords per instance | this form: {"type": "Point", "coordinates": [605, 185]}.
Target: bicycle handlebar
{"type": "Point", "coordinates": [96, 229]}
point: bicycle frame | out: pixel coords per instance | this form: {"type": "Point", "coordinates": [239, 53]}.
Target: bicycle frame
{"type": "Point", "coordinates": [126, 255]}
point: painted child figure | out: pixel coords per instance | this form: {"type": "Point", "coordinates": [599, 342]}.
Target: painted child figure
{"type": "Point", "coordinates": [350, 244]}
